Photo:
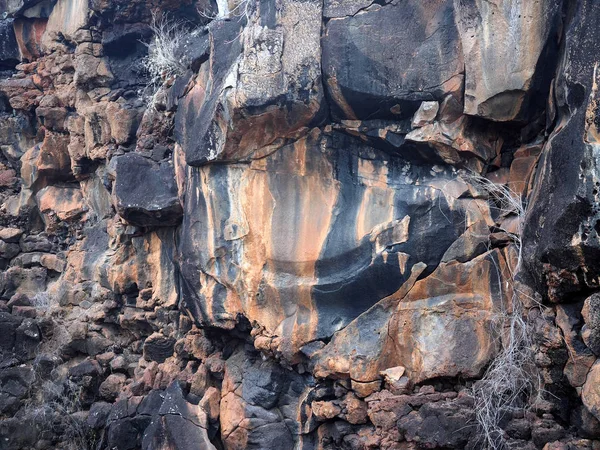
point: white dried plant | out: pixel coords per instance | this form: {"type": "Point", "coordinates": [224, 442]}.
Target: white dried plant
{"type": "Point", "coordinates": [242, 10]}
{"type": "Point", "coordinates": [165, 60]}
{"type": "Point", "coordinates": [511, 381]}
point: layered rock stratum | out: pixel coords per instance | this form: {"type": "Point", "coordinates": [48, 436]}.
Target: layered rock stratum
{"type": "Point", "coordinates": [320, 225]}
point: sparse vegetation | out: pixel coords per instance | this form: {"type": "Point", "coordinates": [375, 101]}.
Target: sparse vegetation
{"type": "Point", "coordinates": [58, 414]}
{"type": "Point", "coordinates": [511, 380]}
{"type": "Point", "coordinates": [164, 61]}
{"type": "Point", "coordinates": [54, 405]}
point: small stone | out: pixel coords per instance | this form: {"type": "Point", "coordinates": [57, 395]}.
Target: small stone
{"type": "Point", "coordinates": [158, 347]}
{"type": "Point", "coordinates": [65, 202]}
{"type": "Point", "coordinates": [355, 410]}
{"type": "Point", "coordinates": [25, 311]}
{"type": "Point", "coordinates": [427, 389]}
{"type": "Point", "coordinates": [425, 114]}
{"type": "Point", "coordinates": [119, 364]}
{"type": "Point", "coordinates": [35, 243]}
{"type": "Point", "coordinates": [111, 387]}
{"type": "Point", "coordinates": [393, 374]}
{"type": "Point", "coordinates": [98, 415]}
{"type": "Point", "coordinates": [365, 389]}
{"type": "Point", "coordinates": [18, 300]}
{"type": "Point", "coordinates": [326, 410]}
{"type": "Point", "coordinates": [11, 235]}
{"type": "Point", "coordinates": [105, 358]}
{"type": "Point", "coordinates": [200, 381]}
{"type": "Point", "coordinates": [9, 251]}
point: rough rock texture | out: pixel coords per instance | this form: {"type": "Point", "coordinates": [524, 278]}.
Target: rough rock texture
{"type": "Point", "coordinates": [292, 237]}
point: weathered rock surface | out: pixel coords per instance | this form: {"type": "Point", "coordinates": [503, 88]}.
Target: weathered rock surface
{"type": "Point", "coordinates": [301, 227]}
{"type": "Point", "coordinates": [560, 234]}
{"type": "Point", "coordinates": [503, 81]}
{"type": "Point", "coordinates": [259, 86]}
{"type": "Point", "coordinates": [293, 287]}
{"type": "Point", "coordinates": [373, 57]}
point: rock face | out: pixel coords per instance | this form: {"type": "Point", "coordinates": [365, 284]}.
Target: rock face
{"type": "Point", "coordinates": [502, 81]}
{"type": "Point", "coordinates": [374, 69]}
{"type": "Point", "coordinates": [303, 225]}
{"type": "Point", "coordinates": [304, 280]}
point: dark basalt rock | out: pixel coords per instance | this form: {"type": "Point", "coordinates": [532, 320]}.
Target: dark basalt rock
{"type": "Point", "coordinates": [144, 192]}
{"type": "Point", "coordinates": [8, 330]}
{"type": "Point", "coordinates": [373, 62]}
{"type": "Point", "coordinates": [562, 228]}
{"type": "Point", "coordinates": [263, 415]}
{"type": "Point", "coordinates": [177, 425]}
{"type": "Point", "coordinates": [9, 49]}
{"type": "Point", "coordinates": [439, 424]}
{"type": "Point", "coordinates": [248, 95]}
{"type": "Point", "coordinates": [27, 338]}
{"type": "Point", "coordinates": [126, 434]}
{"type": "Point", "coordinates": [158, 347]}
{"type": "Point", "coordinates": [98, 415]}
{"type": "Point", "coordinates": [37, 8]}
{"type": "Point", "coordinates": [175, 432]}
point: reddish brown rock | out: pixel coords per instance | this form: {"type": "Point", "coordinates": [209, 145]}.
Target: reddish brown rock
{"type": "Point", "coordinates": [29, 34]}
{"type": "Point", "coordinates": [459, 307]}
{"type": "Point", "coordinates": [590, 394]}
{"type": "Point", "coordinates": [326, 410]}
{"type": "Point", "coordinates": [112, 386]}
{"type": "Point", "coordinates": [63, 202]}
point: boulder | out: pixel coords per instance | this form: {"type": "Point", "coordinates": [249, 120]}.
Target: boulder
{"type": "Point", "coordinates": [92, 72]}
{"type": "Point", "coordinates": [144, 192]}
{"type": "Point", "coordinates": [10, 235]}
{"type": "Point", "coordinates": [440, 326]}
{"type": "Point", "coordinates": [440, 424]}
{"type": "Point", "coordinates": [158, 347]}
{"type": "Point", "coordinates": [65, 203]}
{"type": "Point", "coordinates": [177, 425]}
{"type": "Point", "coordinates": [9, 251]}
{"type": "Point", "coordinates": [425, 114]}
{"type": "Point", "coordinates": [259, 400]}
{"type": "Point", "coordinates": [98, 415]}
{"type": "Point", "coordinates": [8, 331]}
{"type": "Point", "coordinates": [111, 387]}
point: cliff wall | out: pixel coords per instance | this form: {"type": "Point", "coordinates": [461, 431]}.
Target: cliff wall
{"type": "Point", "coordinates": [299, 224]}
